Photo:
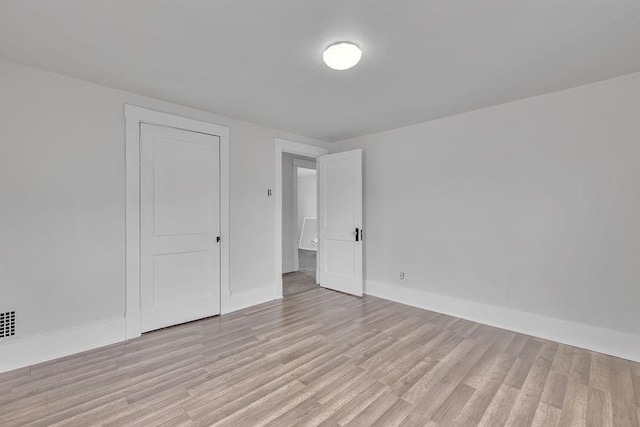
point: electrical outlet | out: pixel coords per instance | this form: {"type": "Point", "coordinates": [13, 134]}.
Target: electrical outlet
{"type": "Point", "coordinates": [402, 275]}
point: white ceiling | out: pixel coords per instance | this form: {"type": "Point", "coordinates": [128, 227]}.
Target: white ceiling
{"type": "Point", "coordinates": [261, 60]}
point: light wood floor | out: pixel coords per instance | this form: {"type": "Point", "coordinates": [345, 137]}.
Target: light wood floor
{"type": "Point", "coordinates": [296, 282]}
{"type": "Point", "coordinates": [305, 278]}
{"type": "Point", "coordinates": [321, 357]}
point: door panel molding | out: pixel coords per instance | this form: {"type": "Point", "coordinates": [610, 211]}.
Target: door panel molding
{"type": "Point", "coordinates": [340, 222]}
{"type": "Point", "coordinates": [180, 220]}
{"type": "Point", "coordinates": [134, 117]}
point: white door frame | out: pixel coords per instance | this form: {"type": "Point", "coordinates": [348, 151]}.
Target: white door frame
{"type": "Point", "coordinates": [134, 116]}
{"type": "Point", "coordinates": [285, 146]}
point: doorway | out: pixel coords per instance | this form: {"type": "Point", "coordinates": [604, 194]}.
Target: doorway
{"type": "Point", "coordinates": [339, 212]}
{"type": "Point", "coordinates": [303, 151]}
{"type": "Point", "coordinates": [299, 224]}
{"type": "Point", "coordinates": [177, 137]}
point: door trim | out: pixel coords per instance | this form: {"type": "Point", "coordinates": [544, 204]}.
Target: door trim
{"type": "Point", "coordinates": [134, 116]}
{"type": "Point", "coordinates": [285, 146]}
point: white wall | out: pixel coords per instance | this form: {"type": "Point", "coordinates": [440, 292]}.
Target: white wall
{"type": "Point", "coordinates": [527, 207]}
{"type": "Point", "coordinates": [307, 199]}
{"type": "Point", "coordinates": [62, 195]}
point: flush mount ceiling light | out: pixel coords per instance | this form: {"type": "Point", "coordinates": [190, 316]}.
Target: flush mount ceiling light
{"type": "Point", "coordinates": [342, 55]}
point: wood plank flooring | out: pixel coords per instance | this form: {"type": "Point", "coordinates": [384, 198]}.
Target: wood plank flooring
{"type": "Point", "coordinates": [296, 282]}
{"type": "Point", "coordinates": [324, 358]}
{"type": "Point", "coordinates": [305, 278]}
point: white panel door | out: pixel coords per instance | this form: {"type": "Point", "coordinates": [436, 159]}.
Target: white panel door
{"type": "Point", "coordinates": [340, 214]}
{"type": "Point", "coordinates": [179, 226]}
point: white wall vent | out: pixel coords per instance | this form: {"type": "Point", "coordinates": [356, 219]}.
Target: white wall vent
{"type": "Point", "coordinates": [7, 324]}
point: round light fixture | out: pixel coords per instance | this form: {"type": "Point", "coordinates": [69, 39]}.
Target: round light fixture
{"type": "Point", "coordinates": [342, 55]}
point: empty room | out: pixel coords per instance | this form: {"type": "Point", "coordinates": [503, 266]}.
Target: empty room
{"type": "Point", "coordinates": [336, 213]}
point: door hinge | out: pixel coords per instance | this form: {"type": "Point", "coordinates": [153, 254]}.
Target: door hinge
{"type": "Point", "coordinates": [218, 239]}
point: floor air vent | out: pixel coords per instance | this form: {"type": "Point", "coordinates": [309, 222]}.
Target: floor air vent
{"type": "Point", "coordinates": [7, 324]}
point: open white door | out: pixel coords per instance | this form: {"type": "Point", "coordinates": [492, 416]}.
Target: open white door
{"type": "Point", "coordinates": [179, 226]}
{"type": "Point", "coordinates": [340, 225]}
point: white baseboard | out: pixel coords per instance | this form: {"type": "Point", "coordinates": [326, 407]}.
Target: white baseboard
{"type": "Point", "coordinates": [251, 297]}
{"type": "Point", "coordinates": [589, 337]}
{"type": "Point", "coordinates": [225, 301]}
{"type": "Point", "coordinates": [19, 353]}
{"type": "Point", "coordinates": [133, 323]}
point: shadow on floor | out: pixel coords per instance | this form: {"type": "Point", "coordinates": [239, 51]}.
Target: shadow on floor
{"type": "Point", "coordinates": [305, 278]}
